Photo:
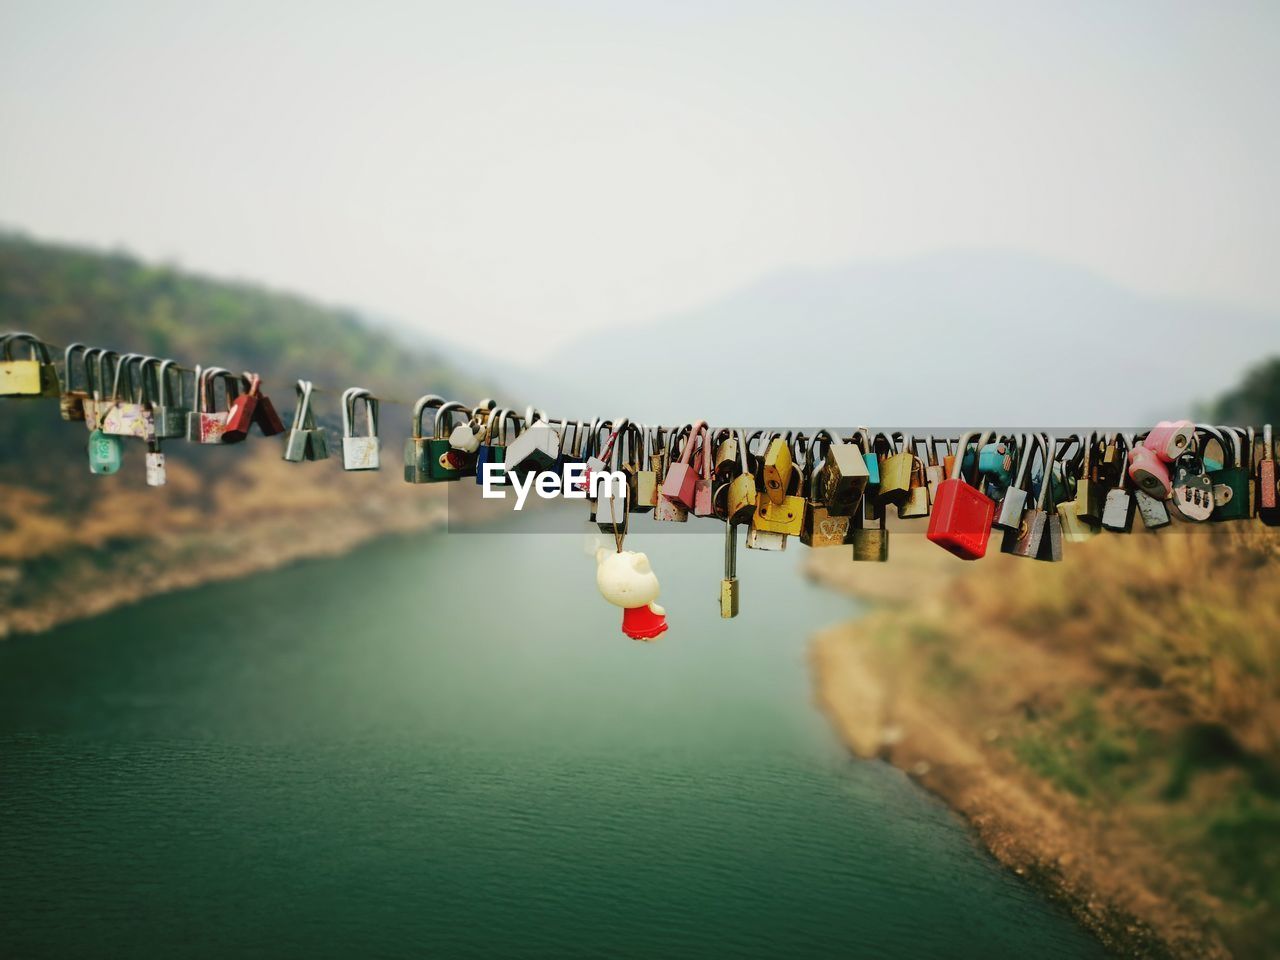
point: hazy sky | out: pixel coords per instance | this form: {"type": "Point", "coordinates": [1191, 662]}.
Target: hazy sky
{"type": "Point", "coordinates": [549, 168]}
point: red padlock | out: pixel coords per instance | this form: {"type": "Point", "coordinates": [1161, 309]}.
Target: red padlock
{"type": "Point", "coordinates": [266, 417]}
{"type": "Point", "coordinates": [240, 416]}
{"type": "Point", "coordinates": [681, 481]}
{"type": "Point", "coordinates": [962, 514]}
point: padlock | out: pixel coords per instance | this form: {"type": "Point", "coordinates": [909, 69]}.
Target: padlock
{"type": "Point", "coordinates": [596, 454]}
{"type": "Point", "coordinates": [1149, 473]}
{"type": "Point", "coordinates": [71, 402]}
{"type": "Point", "coordinates": [610, 503]}
{"type": "Point", "coordinates": [725, 444]}
{"type": "Point", "coordinates": [1154, 513]}
{"type": "Point", "coordinates": [1090, 494]}
{"type": "Point", "coordinates": [786, 517]}
{"type": "Point", "coordinates": [493, 449]}
{"type": "Point", "coordinates": [1107, 467]}
{"type": "Point", "coordinates": [1192, 497]}
{"type": "Point", "coordinates": [668, 509]}
{"type": "Point", "coordinates": [416, 452]}
{"type": "Point", "coordinates": [1232, 481]}
{"type": "Point", "coordinates": [845, 477]}
{"type": "Point", "coordinates": [758, 539]}
{"type": "Point", "coordinates": [305, 441]}
{"type": "Point", "coordinates": [154, 464]}
{"type": "Point", "coordinates": [933, 469]}
{"type": "Point", "coordinates": [871, 544]}
{"type": "Point", "coordinates": [682, 477]}
{"type": "Point", "coordinates": [36, 376]}
{"type": "Point", "coordinates": [996, 461]}
{"type": "Point", "coordinates": [205, 423]}
{"type": "Point", "coordinates": [240, 415]}
{"type": "Point", "coordinates": [658, 459]}
{"type": "Point", "coordinates": [168, 411]}
{"type": "Point", "coordinates": [895, 472]}
{"type": "Point", "coordinates": [1051, 542]}
{"type": "Point", "coordinates": [822, 527]}
{"type": "Point", "coordinates": [1024, 537]}
{"type": "Point", "coordinates": [1013, 505]}
{"type": "Point", "coordinates": [360, 452]}
{"type": "Point", "coordinates": [104, 453]}
{"type": "Point", "coordinates": [442, 464]}
{"type": "Point", "coordinates": [1168, 439]}
{"type": "Point", "coordinates": [1074, 530]}
{"type": "Point", "coordinates": [249, 408]}
{"type": "Point", "coordinates": [703, 502]}
{"type": "Point", "coordinates": [777, 469]}
{"type": "Point", "coordinates": [729, 584]}
{"type": "Point", "coordinates": [961, 518]}
{"type": "Point", "coordinates": [536, 448]}
{"type": "Point", "coordinates": [743, 493]}
{"type": "Point", "coordinates": [1118, 510]}
{"type": "Point", "coordinates": [918, 502]}
{"type": "Point", "coordinates": [644, 480]}
{"type": "Point", "coordinates": [1268, 483]}
{"type": "Point", "coordinates": [126, 413]}
{"type": "Point", "coordinates": [101, 375]}
{"type": "Point", "coordinates": [866, 442]}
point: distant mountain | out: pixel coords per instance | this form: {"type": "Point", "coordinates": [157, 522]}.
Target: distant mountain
{"type": "Point", "coordinates": [950, 339]}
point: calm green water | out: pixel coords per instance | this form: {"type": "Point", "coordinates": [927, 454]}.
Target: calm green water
{"type": "Point", "coordinates": [442, 746]}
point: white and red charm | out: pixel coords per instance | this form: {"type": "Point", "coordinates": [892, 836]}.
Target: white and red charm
{"type": "Point", "coordinates": [626, 580]}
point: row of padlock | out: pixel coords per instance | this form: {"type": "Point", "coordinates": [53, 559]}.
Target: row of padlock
{"type": "Point", "coordinates": [826, 489]}
{"type": "Point", "coordinates": [134, 396]}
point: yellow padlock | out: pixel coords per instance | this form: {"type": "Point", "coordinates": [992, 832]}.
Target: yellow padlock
{"type": "Point", "coordinates": [777, 470]}
{"type": "Point", "coordinates": [34, 377]}
{"type": "Point", "coordinates": [895, 472]}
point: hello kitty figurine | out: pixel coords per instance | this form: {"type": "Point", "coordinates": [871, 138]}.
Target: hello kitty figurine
{"type": "Point", "coordinates": [626, 580]}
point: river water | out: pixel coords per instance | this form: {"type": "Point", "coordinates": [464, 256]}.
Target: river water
{"type": "Point", "coordinates": [442, 746]}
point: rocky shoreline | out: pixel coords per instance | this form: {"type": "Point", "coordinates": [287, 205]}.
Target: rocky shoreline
{"type": "Point", "coordinates": [886, 702]}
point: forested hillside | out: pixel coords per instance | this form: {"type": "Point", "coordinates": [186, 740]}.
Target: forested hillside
{"type": "Point", "coordinates": [71, 542]}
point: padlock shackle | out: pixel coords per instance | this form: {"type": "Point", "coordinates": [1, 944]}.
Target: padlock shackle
{"type": "Point", "coordinates": [419, 407]}
{"type": "Point", "coordinates": [303, 418]}
{"type": "Point", "coordinates": [39, 349]}
{"type": "Point", "coordinates": [697, 427]}
{"type": "Point", "coordinates": [68, 367]}
{"type": "Point", "coordinates": [123, 368]}
{"type": "Point", "coordinates": [1214, 433]}
{"type": "Point", "coordinates": [1045, 443]}
{"type": "Point", "coordinates": [447, 409]}
{"type": "Point", "coordinates": [349, 398]}
{"type": "Point", "coordinates": [1237, 446]}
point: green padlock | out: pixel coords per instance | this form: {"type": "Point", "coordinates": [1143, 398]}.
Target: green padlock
{"type": "Point", "coordinates": [1231, 500]}
{"type": "Point", "coordinates": [416, 453]}
{"type": "Point", "coordinates": [104, 453]}
{"type": "Point", "coordinates": [439, 463]}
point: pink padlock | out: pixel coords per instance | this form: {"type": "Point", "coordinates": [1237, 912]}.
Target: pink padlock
{"type": "Point", "coordinates": [1169, 439]}
{"type": "Point", "coordinates": [1150, 473]}
{"type": "Point", "coordinates": [682, 477]}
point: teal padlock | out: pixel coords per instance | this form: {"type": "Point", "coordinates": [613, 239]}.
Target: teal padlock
{"type": "Point", "coordinates": [104, 453]}
{"type": "Point", "coordinates": [443, 462]}
{"type": "Point", "coordinates": [1231, 481]}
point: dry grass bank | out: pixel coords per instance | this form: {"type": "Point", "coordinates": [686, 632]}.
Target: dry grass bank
{"type": "Point", "coordinates": [1111, 724]}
